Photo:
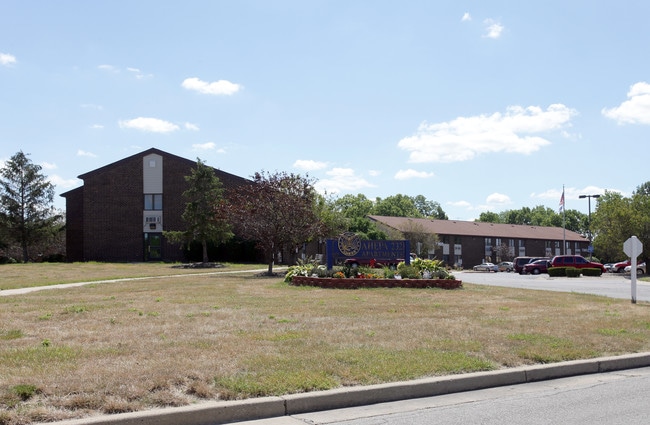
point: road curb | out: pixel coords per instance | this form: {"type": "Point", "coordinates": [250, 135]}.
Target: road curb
{"type": "Point", "coordinates": [222, 412]}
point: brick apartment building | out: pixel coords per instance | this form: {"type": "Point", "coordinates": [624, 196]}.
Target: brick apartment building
{"type": "Point", "coordinates": [120, 212]}
{"type": "Point", "coordinates": [467, 243]}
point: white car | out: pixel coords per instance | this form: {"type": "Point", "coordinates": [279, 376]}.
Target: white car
{"type": "Point", "coordinates": [640, 268]}
{"type": "Point", "coordinates": [486, 267]}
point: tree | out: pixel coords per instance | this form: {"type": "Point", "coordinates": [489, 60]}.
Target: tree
{"type": "Point", "coordinates": [277, 212]}
{"type": "Point", "coordinates": [397, 206]}
{"type": "Point", "coordinates": [26, 212]}
{"type": "Point", "coordinates": [613, 223]}
{"type": "Point", "coordinates": [429, 209]}
{"type": "Point", "coordinates": [489, 217]}
{"type": "Point", "coordinates": [420, 240]}
{"type": "Point", "coordinates": [334, 222]}
{"type": "Point", "coordinates": [356, 210]}
{"type": "Point", "coordinates": [205, 211]}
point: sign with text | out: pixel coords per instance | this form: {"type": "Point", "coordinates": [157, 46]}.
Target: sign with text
{"type": "Point", "coordinates": [350, 246]}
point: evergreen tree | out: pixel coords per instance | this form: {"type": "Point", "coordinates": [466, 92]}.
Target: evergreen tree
{"type": "Point", "coordinates": [205, 211]}
{"type": "Point", "coordinates": [27, 216]}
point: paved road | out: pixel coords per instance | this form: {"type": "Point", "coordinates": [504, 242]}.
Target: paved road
{"type": "Point", "coordinates": [608, 399]}
{"type": "Point", "coordinates": [609, 284]}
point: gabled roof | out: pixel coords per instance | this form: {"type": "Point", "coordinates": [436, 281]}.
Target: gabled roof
{"type": "Point", "coordinates": [479, 229]}
{"type": "Point", "coordinates": [228, 180]}
{"type": "Point", "coordinates": [129, 158]}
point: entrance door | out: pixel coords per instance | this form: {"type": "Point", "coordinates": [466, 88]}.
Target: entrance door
{"type": "Point", "coordinates": [152, 246]}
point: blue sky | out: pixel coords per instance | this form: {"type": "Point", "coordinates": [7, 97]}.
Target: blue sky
{"type": "Point", "coordinates": [478, 105]}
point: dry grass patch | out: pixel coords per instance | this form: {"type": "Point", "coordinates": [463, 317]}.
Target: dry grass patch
{"type": "Point", "coordinates": [44, 274]}
{"type": "Point", "coordinates": [110, 348]}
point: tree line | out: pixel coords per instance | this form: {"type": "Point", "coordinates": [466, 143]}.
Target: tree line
{"type": "Point", "coordinates": [280, 211]}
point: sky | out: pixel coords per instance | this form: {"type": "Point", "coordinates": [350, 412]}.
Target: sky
{"type": "Point", "coordinates": [477, 105]}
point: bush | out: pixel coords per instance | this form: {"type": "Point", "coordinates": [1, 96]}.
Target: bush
{"type": "Point", "coordinates": [572, 272]}
{"type": "Point", "coordinates": [592, 272]}
{"type": "Point", "coordinates": [556, 271]}
{"type": "Point", "coordinates": [408, 272]}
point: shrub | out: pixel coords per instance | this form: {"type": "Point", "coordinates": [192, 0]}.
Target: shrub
{"type": "Point", "coordinates": [556, 271]}
{"type": "Point", "coordinates": [435, 268]}
{"type": "Point", "coordinates": [572, 272]}
{"type": "Point", "coordinates": [407, 272]}
{"type": "Point", "coordinates": [592, 272]}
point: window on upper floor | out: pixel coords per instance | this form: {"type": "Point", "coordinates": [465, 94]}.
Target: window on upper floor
{"type": "Point", "coordinates": [153, 201]}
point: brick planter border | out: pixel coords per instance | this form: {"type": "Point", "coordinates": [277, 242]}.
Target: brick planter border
{"type": "Point", "coordinates": [352, 283]}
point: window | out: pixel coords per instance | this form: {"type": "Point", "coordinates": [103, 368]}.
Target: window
{"type": "Point", "coordinates": [153, 201]}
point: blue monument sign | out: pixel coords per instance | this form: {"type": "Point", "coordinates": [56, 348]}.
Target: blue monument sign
{"type": "Point", "coordinates": [349, 246]}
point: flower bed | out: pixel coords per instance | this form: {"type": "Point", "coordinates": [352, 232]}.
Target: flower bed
{"type": "Point", "coordinates": [356, 283]}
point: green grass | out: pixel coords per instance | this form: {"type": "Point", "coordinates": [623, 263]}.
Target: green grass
{"type": "Point", "coordinates": [134, 345]}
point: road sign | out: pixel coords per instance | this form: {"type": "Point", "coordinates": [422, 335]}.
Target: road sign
{"type": "Point", "coordinates": [633, 247]}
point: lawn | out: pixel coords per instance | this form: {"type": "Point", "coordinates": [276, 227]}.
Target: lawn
{"type": "Point", "coordinates": [133, 345]}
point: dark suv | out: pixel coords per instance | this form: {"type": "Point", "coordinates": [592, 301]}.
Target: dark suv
{"type": "Point", "coordinates": [577, 261]}
{"type": "Point", "coordinates": [519, 263]}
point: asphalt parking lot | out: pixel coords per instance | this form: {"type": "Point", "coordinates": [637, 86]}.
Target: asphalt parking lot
{"type": "Point", "coordinates": [609, 284]}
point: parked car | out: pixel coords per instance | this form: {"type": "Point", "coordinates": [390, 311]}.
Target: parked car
{"type": "Point", "coordinates": [577, 261]}
{"type": "Point", "coordinates": [520, 262]}
{"type": "Point", "coordinates": [486, 267]}
{"type": "Point", "coordinates": [537, 267]}
{"type": "Point", "coordinates": [506, 266]}
{"type": "Point", "coordinates": [376, 263]}
{"type": "Point", "coordinates": [620, 266]}
{"type": "Point", "coordinates": [640, 268]}
{"type": "Point", "coordinates": [609, 267]}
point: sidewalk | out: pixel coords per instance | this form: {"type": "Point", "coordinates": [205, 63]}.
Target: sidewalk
{"type": "Point", "coordinates": [221, 412]}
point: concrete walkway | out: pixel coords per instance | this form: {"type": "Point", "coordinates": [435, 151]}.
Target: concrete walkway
{"type": "Point", "coordinates": [19, 291]}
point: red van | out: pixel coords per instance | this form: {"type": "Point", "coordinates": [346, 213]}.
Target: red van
{"type": "Point", "coordinates": [577, 261]}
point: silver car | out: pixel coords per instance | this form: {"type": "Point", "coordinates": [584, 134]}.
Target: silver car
{"type": "Point", "coordinates": [486, 267]}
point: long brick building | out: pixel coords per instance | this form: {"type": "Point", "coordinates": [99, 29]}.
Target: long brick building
{"type": "Point", "coordinates": [467, 243]}
{"type": "Point", "coordinates": [120, 212]}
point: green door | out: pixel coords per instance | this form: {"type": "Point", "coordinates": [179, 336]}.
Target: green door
{"type": "Point", "coordinates": [153, 246]}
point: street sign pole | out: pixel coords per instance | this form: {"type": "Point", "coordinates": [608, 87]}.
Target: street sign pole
{"type": "Point", "coordinates": [633, 248]}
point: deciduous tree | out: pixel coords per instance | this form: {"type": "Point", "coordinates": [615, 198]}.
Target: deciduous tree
{"type": "Point", "coordinates": [277, 212]}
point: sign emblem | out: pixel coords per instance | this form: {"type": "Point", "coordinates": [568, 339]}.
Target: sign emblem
{"type": "Point", "coordinates": [349, 244]}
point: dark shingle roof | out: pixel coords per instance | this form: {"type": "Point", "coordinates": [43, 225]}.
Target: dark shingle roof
{"type": "Point", "coordinates": [479, 229]}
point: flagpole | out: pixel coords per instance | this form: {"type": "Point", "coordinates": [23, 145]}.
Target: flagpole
{"type": "Point", "coordinates": [563, 223]}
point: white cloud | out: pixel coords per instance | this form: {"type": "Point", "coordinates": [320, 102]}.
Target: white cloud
{"type": "Point", "coordinates": [109, 68]}
{"type": "Point", "coordinates": [498, 198]}
{"type": "Point", "coordinates": [204, 146]}
{"type": "Point", "coordinates": [466, 137]}
{"type": "Point", "coordinates": [466, 17]}
{"type": "Point", "coordinates": [81, 152]}
{"type": "Point", "coordinates": [192, 127]}
{"type": "Point", "coordinates": [459, 204]}
{"type": "Point", "coordinates": [221, 87]}
{"type": "Point", "coordinates": [374, 173]}
{"type": "Point", "coordinates": [570, 193]}
{"type": "Point", "coordinates": [635, 110]}
{"type": "Point", "coordinates": [97, 127]}
{"type": "Point", "coordinates": [48, 166]}
{"type": "Point", "coordinates": [92, 106]}
{"type": "Point", "coordinates": [493, 29]}
{"type": "Point", "coordinates": [6, 59]}
{"type": "Point", "coordinates": [138, 74]}
{"type": "Point", "coordinates": [152, 125]}
{"type": "Point", "coordinates": [309, 165]}
{"type": "Point", "coordinates": [60, 182]}
{"type": "Point", "coordinates": [342, 180]}
{"type": "Point", "coordinates": [411, 174]}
